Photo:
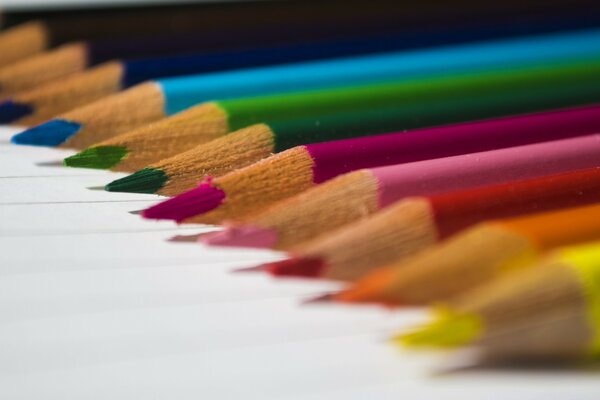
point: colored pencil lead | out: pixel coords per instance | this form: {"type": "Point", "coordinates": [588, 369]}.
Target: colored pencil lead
{"type": "Point", "coordinates": [147, 180]}
{"type": "Point", "coordinates": [204, 197]}
{"type": "Point", "coordinates": [301, 267]}
{"type": "Point", "coordinates": [449, 329]}
{"type": "Point", "coordinates": [51, 133]}
{"type": "Point", "coordinates": [101, 157]}
{"type": "Point", "coordinates": [10, 111]}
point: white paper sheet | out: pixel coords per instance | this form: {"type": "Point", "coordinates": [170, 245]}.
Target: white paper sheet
{"type": "Point", "coordinates": [96, 304]}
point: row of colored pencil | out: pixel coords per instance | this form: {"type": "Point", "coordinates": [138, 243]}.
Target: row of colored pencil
{"type": "Point", "coordinates": [452, 161]}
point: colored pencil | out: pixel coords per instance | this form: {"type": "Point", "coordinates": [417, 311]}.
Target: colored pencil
{"type": "Point", "coordinates": [252, 189]}
{"type": "Point", "coordinates": [474, 256]}
{"type": "Point", "coordinates": [41, 103]}
{"type": "Point", "coordinates": [76, 57]}
{"type": "Point", "coordinates": [355, 195]}
{"type": "Point", "coordinates": [549, 310]}
{"type": "Point", "coordinates": [21, 42]}
{"type": "Point", "coordinates": [46, 101]}
{"type": "Point", "coordinates": [213, 20]}
{"type": "Point", "coordinates": [181, 172]}
{"type": "Point", "coordinates": [414, 224]}
{"type": "Point", "coordinates": [163, 97]}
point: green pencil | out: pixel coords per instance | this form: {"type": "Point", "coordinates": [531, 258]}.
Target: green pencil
{"type": "Point", "coordinates": [285, 121]}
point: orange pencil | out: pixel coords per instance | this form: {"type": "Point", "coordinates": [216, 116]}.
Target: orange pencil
{"type": "Point", "coordinates": [474, 257]}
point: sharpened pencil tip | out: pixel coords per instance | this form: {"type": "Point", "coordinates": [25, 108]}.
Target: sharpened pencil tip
{"type": "Point", "coordinates": [242, 236]}
{"type": "Point", "coordinates": [147, 180]}
{"type": "Point", "coordinates": [11, 111]}
{"type": "Point", "coordinates": [300, 267]}
{"type": "Point", "coordinates": [100, 157]}
{"type": "Point", "coordinates": [188, 204]}
{"type": "Point", "coordinates": [450, 329]}
{"type": "Point", "coordinates": [51, 133]}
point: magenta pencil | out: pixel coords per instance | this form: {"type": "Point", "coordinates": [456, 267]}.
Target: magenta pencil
{"type": "Point", "coordinates": [249, 190]}
{"type": "Point", "coordinates": [357, 194]}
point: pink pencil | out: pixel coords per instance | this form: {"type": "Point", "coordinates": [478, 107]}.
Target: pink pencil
{"type": "Point", "coordinates": [283, 175]}
{"type": "Point", "coordinates": [355, 195]}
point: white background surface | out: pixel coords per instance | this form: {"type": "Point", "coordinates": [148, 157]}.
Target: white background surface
{"type": "Point", "coordinates": [95, 304]}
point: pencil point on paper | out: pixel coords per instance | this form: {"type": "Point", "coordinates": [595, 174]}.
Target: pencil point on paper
{"type": "Point", "coordinates": [51, 133]}
{"type": "Point", "coordinates": [98, 188]}
{"type": "Point", "coordinates": [242, 236]}
{"type": "Point", "coordinates": [147, 180]}
{"type": "Point", "coordinates": [300, 267]}
{"type": "Point", "coordinates": [11, 111]}
{"type": "Point", "coordinates": [100, 157]}
{"type": "Point", "coordinates": [135, 212]}
{"type": "Point", "coordinates": [188, 204]}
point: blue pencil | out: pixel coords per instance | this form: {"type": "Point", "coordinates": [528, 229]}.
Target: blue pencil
{"type": "Point", "coordinates": [37, 105]}
{"type": "Point", "coordinates": [157, 99]}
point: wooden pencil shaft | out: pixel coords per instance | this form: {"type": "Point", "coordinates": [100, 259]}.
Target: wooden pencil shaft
{"type": "Point", "coordinates": [480, 254]}
{"type": "Point", "coordinates": [549, 285]}
{"type": "Point", "coordinates": [560, 335]}
{"type": "Point", "coordinates": [129, 110]}
{"type": "Point", "coordinates": [53, 98]}
{"type": "Point", "coordinates": [21, 42]}
{"type": "Point", "coordinates": [422, 178]}
{"type": "Point", "coordinates": [42, 68]}
{"type": "Point", "coordinates": [390, 235]}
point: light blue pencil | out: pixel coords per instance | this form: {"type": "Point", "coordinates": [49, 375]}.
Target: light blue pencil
{"type": "Point", "coordinates": [157, 99]}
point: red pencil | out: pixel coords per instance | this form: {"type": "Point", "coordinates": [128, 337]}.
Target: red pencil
{"type": "Point", "coordinates": [416, 223]}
